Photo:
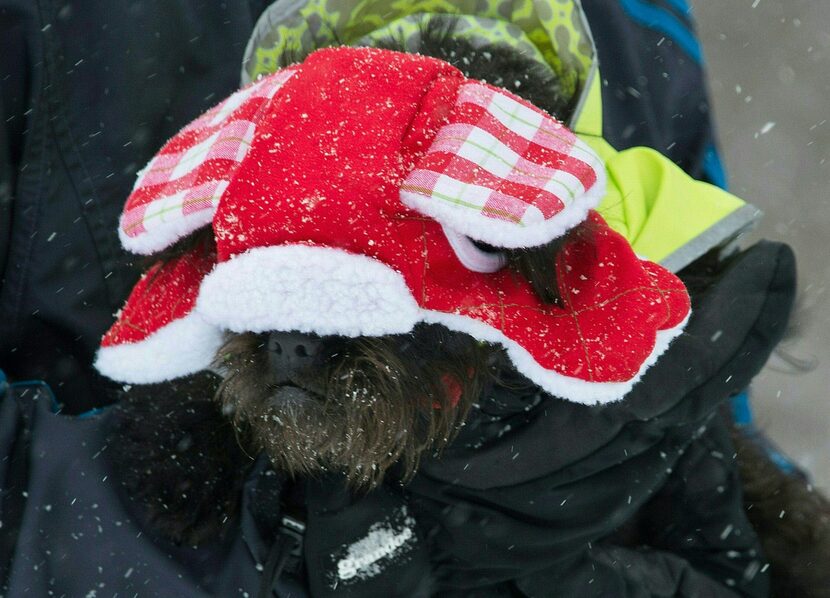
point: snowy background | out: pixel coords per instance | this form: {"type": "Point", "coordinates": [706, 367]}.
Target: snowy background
{"type": "Point", "coordinates": [769, 76]}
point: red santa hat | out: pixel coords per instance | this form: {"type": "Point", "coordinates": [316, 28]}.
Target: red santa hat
{"type": "Point", "coordinates": [344, 194]}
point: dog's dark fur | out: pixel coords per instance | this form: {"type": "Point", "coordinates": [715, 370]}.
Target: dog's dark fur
{"type": "Point", "coordinates": [792, 519]}
{"type": "Point", "coordinates": [178, 458]}
{"type": "Point", "coordinates": [370, 407]}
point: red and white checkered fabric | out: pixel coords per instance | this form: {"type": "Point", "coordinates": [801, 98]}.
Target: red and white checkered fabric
{"type": "Point", "coordinates": [504, 172]}
{"type": "Point", "coordinates": [179, 189]}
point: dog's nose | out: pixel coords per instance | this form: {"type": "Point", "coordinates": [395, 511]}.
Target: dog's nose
{"type": "Point", "coordinates": [290, 352]}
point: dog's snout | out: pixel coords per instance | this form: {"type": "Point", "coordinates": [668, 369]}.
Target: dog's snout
{"type": "Point", "coordinates": [292, 351]}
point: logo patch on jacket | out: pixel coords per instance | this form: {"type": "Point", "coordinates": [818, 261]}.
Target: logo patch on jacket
{"type": "Point", "coordinates": [386, 542]}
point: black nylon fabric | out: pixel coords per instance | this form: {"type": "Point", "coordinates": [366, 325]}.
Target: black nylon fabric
{"type": "Point", "coordinates": [75, 536]}
{"type": "Point", "coordinates": [530, 500]}
{"type": "Point", "coordinates": [89, 93]}
{"type": "Point", "coordinates": [549, 489]}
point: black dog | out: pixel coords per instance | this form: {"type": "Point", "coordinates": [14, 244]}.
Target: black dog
{"type": "Point", "coordinates": [368, 408]}
{"type": "Point", "coordinates": [360, 406]}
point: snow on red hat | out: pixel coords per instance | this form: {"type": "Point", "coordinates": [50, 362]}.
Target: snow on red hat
{"type": "Point", "coordinates": [344, 194]}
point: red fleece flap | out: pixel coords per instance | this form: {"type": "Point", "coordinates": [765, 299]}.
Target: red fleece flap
{"type": "Point", "coordinates": [162, 296]}
{"type": "Point", "coordinates": [614, 304]}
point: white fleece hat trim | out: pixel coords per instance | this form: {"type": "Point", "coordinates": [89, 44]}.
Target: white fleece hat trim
{"type": "Point", "coordinates": [308, 289]}
{"type": "Point", "coordinates": [183, 347]}
{"type": "Point", "coordinates": [566, 387]}
{"type": "Point", "coordinates": [327, 292]}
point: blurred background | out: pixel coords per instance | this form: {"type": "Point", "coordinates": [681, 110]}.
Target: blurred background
{"type": "Point", "coordinates": [768, 64]}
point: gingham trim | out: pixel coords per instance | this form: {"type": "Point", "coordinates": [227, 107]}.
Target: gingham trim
{"type": "Point", "coordinates": [504, 172]}
{"type": "Point", "coordinates": [179, 189]}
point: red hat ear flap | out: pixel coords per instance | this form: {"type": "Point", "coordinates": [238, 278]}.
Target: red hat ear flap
{"type": "Point", "coordinates": [179, 189]}
{"type": "Point", "coordinates": [158, 336]}
{"type": "Point", "coordinates": [504, 172]}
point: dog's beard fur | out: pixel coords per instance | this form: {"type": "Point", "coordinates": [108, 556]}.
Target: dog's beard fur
{"type": "Point", "coordinates": [364, 405]}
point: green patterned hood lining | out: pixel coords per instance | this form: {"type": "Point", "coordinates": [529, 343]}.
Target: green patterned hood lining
{"type": "Point", "coordinates": [553, 32]}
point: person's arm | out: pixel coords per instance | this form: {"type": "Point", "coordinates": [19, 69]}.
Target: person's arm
{"type": "Point", "coordinates": [693, 538]}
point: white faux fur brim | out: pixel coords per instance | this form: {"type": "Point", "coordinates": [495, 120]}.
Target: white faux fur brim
{"type": "Point", "coordinates": [327, 292]}
{"type": "Point", "coordinates": [183, 347]}
{"type": "Point", "coordinates": [308, 289]}
{"type": "Point", "coordinates": [559, 385]}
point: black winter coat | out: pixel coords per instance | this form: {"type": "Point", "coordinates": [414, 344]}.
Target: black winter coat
{"type": "Point", "coordinates": [537, 497]}
{"type": "Point", "coordinates": [88, 93]}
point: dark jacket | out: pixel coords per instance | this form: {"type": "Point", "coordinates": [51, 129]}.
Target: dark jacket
{"type": "Point", "coordinates": [537, 497]}
{"type": "Point", "coordinates": [88, 93]}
